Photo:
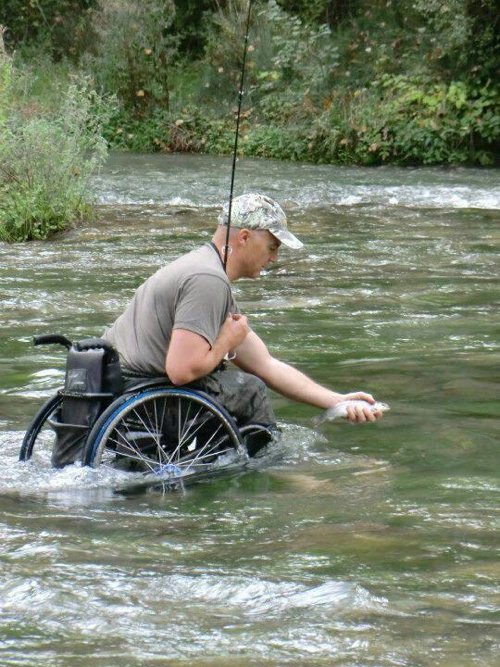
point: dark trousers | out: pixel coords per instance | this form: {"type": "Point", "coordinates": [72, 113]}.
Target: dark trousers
{"type": "Point", "coordinates": [243, 395]}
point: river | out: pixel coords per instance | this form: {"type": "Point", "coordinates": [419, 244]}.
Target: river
{"type": "Point", "coordinates": [359, 546]}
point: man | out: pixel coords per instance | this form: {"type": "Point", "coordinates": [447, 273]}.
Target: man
{"type": "Point", "coordinates": [183, 322]}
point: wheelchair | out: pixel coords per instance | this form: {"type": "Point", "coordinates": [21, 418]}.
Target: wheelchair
{"type": "Point", "coordinates": [151, 427]}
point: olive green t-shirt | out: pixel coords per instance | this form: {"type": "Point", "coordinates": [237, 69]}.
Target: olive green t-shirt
{"type": "Point", "coordinates": [192, 293]}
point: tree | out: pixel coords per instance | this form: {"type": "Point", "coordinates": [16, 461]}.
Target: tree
{"type": "Point", "coordinates": [190, 17]}
{"type": "Point", "coordinates": [331, 12]}
{"type": "Point", "coordinates": [62, 25]}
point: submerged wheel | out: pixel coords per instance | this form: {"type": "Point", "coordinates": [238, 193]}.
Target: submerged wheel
{"type": "Point", "coordinates": [164, 431]}
{"type": "Point", "coordinates": [40, 432]}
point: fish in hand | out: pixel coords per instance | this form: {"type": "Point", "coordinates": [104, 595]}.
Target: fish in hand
{"type": "Point", "coordinates": [339, 411]}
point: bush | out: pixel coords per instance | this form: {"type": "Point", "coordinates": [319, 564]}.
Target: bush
{"type": "Point", "coordinates": [46, 161]}
{"type": "Point", "coordinates": [134, 52]}
{"type": "Point", "coordinates": [419, 121]}
{"type": "Point", "coordinates": [464, 36]}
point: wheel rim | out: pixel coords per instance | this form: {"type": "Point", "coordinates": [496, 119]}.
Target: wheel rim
{"type": "Point", "coordinates": [166, 432]}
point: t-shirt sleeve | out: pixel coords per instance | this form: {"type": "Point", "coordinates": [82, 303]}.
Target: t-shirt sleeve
{"type": "Point", "coordinates": [203, 303]}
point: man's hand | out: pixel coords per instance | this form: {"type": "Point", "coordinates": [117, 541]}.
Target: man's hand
{"type": "Point", "coordinates": [190, 356]}
{"type": "Point", "coordinates": [358, 414]}
{"type": "Point", "coordinates": [234, 331]}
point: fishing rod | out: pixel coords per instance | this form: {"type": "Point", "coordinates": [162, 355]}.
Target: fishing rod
{"type": "Point", "coordinates": [236, 136]}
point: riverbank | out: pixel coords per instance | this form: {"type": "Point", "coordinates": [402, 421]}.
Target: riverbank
{"type": "Point", "coordinates": [349, 132]}
{"type": "Point", "coordinates": [398, 120]}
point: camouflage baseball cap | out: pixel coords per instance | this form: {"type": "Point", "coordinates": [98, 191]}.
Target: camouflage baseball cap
{"type": "Point", "coordinates": [253, 211]}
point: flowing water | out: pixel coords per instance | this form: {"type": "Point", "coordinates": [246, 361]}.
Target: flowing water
{"type": "Point", "coordinates": [358, 545]}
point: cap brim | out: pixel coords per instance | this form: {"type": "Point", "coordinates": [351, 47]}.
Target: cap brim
{"type": "Point", "coordinates": [287, 238]}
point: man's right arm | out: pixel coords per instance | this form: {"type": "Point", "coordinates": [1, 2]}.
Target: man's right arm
{"type": "Point", "coordinates": [253, 357]}
{"type": "Point", "coordinates": [190, 356]}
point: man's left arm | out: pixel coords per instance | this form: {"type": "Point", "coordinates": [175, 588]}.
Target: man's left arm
{"type": "Point", "coordinates": [253, 356]}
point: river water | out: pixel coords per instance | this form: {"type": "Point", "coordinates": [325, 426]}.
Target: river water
{"type": "Point", "coordinates": [357, 545]}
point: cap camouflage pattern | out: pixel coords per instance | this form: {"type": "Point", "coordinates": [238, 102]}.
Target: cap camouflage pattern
{"type": "Point", "coordinates": [254, 211]}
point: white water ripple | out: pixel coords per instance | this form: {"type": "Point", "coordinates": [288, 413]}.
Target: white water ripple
{"type": "Point", "coordinates": [202, 181]}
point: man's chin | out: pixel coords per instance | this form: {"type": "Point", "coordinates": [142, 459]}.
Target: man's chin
{"type": "Point", "coordinates": [255, 274]}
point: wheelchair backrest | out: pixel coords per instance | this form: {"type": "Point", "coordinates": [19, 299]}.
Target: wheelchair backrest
{"type": "Point", "coordinates": [93, 367]}
{"type": "Point", "coordinates": [93, 378]}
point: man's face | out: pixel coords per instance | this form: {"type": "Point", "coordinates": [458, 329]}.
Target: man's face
{"type": "Point", "coordinates": [261, 249]}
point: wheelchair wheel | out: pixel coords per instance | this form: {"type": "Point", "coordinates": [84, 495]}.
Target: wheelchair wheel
{"type": "Point", "coordinates": [164, 431]}
{"type": "Point", "coordinates": [40, 432]}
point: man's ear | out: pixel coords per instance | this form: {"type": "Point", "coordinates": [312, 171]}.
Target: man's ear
{"type": "Point", "coordinates": [243, 236]}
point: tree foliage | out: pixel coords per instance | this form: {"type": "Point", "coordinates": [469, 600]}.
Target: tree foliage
{"type": "Point", "coordinates": [330, 12]}
{"type": "Point", "coordinates": [463, 36]}
{"type": "Point", "coordinates": [63, 26]}
{"type": "Point", "coordinates": [407, 81]}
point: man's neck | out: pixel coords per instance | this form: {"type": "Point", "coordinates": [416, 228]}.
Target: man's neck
{"type": "Point", "coordinates": [220, 246]}
{"type": "Point", "coordinates": [219, 241]}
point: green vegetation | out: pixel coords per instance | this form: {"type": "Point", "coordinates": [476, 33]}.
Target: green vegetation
{"type": "Point", "coordinates": [379, 82]}
{"type": "Point", "coordinates": [46, 159]}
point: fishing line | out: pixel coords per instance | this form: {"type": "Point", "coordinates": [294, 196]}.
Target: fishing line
{"type": "Point", "coordinates": [235, 150]}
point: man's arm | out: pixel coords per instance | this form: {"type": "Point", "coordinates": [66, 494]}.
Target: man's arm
{"type": "Point", "coordinates": [253, 356]}
{"type": "Point", "coordinates": [190, 356]}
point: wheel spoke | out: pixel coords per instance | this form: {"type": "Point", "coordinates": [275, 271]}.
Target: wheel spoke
{"type": "Point", "coordinates": [191, 431]}
{"type": "Point", "coordinates": [207, 451]}
{"type": "Point", "coordinates": [129, 451]}
{"type": "Point", "coordinates": [184, 437]}
{"type": "Point", "coordinates": [204, 455]}
{"type": "Point", "coordinates": [186, 418]}
{"type": "Point", "coordinates": [133, 454]}
{"type": "Point", "coordinates": [147, 427]}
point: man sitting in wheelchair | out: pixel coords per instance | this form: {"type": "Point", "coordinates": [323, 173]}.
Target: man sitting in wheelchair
{"type": "Point", "coordinates": [183, 322]}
